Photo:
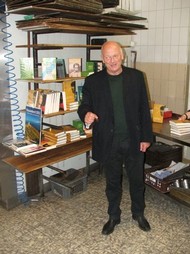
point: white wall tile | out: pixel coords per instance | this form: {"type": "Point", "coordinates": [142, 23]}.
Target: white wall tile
{"type": "Point", "coordinates": [174, 54]}
{"type": "Point", "coordinates": [145, 5]}
{"type": "Point", "coordinates": [183, 54]}
{"type": "Point", "coordinates": [183, 37]}
{"type": "Point", "coordinates": [158, 54]}
{"type": "Point", "coordinates": [143, 54]}
{"type": "Point", "coordinates": [160, 4]}
{"type": "Point", "coordinates": [166, 54]}
{"type": "Point", "coordinates": [151, 54]}
{"type": "Point", "coordinates": [175, 34]}
{"type": "Point", "coordinates": [160, 18]}
{"type": "Point", "coordinates": [144, 38]}
{"type": "Point", "coordinates": [152, 19]}
{"type": "Point", "coordinates": [185, 13]}
{"type": "Point", "coordinates": [137, 5]}
{"type": "Point", "coordinates": [159, 36]}
{"type": "Point", "coordinates": [185, 3]}
{"type": "Point", "coordinates": [166, 36]}
{"type": "Point", "coordinates": [177, 3]}
{"type": "Point", "coordinates": [168, 4]}
{"type": "Point", "coordinates": [152, 37]}
{"type": "Point", "coordinates": [152, 5]}
{"type": "Point", "coordinates": [176, 17]}
{"type": "Point", "coordinates": [168, 18]}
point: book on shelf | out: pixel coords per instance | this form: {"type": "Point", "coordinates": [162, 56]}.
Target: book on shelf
{"type": "Point", "coordinates": [48, 144]}
{"type": "Point", "coordinates": [61, 68]}
{"type": "Point", "coordinates": [71, 139]}
{"type": "Point", "coordinates": [75, 67]}
{"type": "Point", "coordinates": [45, 100]}
{"type": "Point", "coordinates": [55, 101]}
{"type": "Point", "coordinates": [179, 127]}
{"type": "Point", "coordinates": [18, 144]}
{"type": "Point", "coordinates": [90, 66]}
{"type": "Point", "coordinates": [32, 150]}
{"type": "Point", "coordinates": [49, 68]}
{"type": "Point", "coordinates": [54, 132]}
{"type": "Point", "coordinates": [63, 103]}
{"type": "Point", "coordinates": [32, 99]}
{"type": "Point", "coordinates": [26, 68]}
{"type": "Point", "coordinates": [70, 92]}
{"type": "Point", "coordinates": [58, 136]}
{"type": "Point", "coordinates": [68, 128]}
{"type": "Point", "coordinates": [56, 140]}
{"type": "Point", "coordinates": [79, 93]}
{"type": "Point", "coordinates": [99, 65]}
{"type": "Point", "coordinates": [73, 105]}
{"type": "Point", "coordinates": [94, 66]}
{"type": "Point", "coordinates": [78, 124]}
{"type": "Point", "coordinates": [49, 101]}
{"type": "Point", "coordinates": [33, 124]}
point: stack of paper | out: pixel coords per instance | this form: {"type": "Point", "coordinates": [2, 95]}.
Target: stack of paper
{"type": "Point", "coordinates": [179, 127]}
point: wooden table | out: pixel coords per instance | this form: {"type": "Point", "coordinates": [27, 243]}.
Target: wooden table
{"type": "Point", "coordinates": [40, 160]}
{"type": "Point", "coordinates": [162, 130]}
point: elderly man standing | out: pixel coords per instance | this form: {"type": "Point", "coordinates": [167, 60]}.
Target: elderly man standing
{"type": "Point", "coordinates": [115, 102]}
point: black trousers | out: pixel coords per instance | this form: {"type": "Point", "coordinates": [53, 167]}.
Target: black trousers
{"type": "Point", "coordinates": [134, 166]}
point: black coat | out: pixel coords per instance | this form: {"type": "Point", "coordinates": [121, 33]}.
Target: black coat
{"type": "Point", "coordinates": [96, 98]}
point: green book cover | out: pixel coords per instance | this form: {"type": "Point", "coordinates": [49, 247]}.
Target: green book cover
{"type": "Point", "coordinates": [90, 66]}
{"type": "Point", "coordinates": [26, 68]}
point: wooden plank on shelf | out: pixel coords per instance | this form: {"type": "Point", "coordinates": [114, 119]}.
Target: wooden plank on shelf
{"type": "Point", "coordinates": [92, 6]}
{"type": "Point", "coordinates": [35, 162]}
{"type": "Point", "coordinates": [61, 46]}
{"type": "Point", "coordinates": [58, 16]}
{"type": "Point", "coordinates": [39, 80]}
{"type": "Point", "coordinates": [38, 11]}
{"type": "Point", "coordinates": [69, 21]}
{"type": "Point", "coordinates": [48, 27]}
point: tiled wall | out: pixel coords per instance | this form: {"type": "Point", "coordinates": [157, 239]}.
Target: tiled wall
{"type": "Point", "coordinates": [162, 50]}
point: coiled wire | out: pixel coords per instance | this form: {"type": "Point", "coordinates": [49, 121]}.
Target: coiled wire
{"type": "Point", "coordinates": [13, 97]}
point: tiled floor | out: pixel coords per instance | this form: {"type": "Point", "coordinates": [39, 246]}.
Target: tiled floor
{"type": "Point", "coordinates": [55, 226]}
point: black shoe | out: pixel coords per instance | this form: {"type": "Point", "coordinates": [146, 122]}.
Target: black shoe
{"type": "Point", "coordinates": [108, 228]}
{"type": "Point", "coordinates": [142, 222]}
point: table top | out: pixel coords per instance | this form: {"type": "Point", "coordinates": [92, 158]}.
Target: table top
{"type": "Point", "coordinates": [162, 130]}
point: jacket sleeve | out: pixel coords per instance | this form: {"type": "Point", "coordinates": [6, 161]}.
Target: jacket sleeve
{"type": "Point", "coordinates": [86, 103]}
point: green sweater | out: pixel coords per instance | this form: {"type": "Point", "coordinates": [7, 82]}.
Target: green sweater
{"type": "Point", "coordinates": [116, 86]}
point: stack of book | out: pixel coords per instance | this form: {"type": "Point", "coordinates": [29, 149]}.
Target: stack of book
{"type": "Point", "coordinates": [71, 132]}
{"type": "Point", "coordinates": [179, 127]}
{"type": "Point", "coordinates": [72, 136]}
{"type": "Point", "coordinates": [73, 105]}
{"type": "Point", "coordinates": [56, 136]}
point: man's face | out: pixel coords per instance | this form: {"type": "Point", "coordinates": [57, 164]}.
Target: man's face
{"type": "Point", "coordinates": [112, 56]}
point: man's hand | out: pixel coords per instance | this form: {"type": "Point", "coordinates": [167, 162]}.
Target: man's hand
{"type": "Point", "coordinates": [144, 146]}
{"type": "Point", "coordinates": [90, 118]}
